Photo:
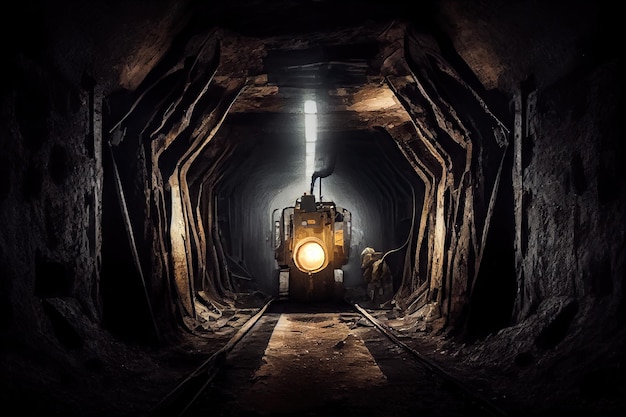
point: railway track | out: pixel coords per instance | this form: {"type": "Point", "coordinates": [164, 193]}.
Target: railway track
{"type": "Point", "coordinates": [316, 361]}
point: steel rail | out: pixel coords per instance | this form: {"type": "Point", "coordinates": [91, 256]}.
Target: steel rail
{"type": "Point", "coordinates": [203, 374]}
{"type": "Point", "coordinates": [476, 399]}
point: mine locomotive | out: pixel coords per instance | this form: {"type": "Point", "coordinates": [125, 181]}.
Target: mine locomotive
{"type": "Point", "coordinates": [312, 243]}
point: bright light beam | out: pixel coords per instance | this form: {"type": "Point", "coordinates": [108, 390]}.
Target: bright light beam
{"type": "Point", "coordinates": [310, 135]}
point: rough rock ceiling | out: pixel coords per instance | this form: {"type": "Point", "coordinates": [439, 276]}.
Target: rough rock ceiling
{"type": "Point", "coordinates": [339, 69]}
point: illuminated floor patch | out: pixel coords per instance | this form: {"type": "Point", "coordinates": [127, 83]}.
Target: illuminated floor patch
{"type": "Point", "coordinates": [325, 359]}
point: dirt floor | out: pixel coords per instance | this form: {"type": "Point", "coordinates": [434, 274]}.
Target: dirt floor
{"type": "Point", "coordinates": [324, 364]}
{"type": "Point", "coordinates": [110, 379]}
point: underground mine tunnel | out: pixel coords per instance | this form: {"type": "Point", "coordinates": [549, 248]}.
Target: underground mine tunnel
{"type": "Point", "coordinates": [148, 151]}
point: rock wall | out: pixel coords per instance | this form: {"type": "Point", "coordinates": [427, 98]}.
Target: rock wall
{"type": "Point", "coordinates": [573, 194]}
{"type": "Point", "coordinates": [554, 63]}
{"type": "Point", "coordinates": [51, 201]}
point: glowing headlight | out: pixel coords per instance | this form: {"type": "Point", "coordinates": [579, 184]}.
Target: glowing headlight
{"type": "Point", "coordinates": [309, 255]}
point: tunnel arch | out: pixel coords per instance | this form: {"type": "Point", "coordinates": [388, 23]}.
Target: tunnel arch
{"type": "Point", "coordinates": [200, 150]}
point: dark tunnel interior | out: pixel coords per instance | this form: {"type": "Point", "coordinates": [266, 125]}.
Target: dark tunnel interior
{"type": "Point", "coordinates": [268, 173]}
{"type": "Point", "coordinates": [457, 167]}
